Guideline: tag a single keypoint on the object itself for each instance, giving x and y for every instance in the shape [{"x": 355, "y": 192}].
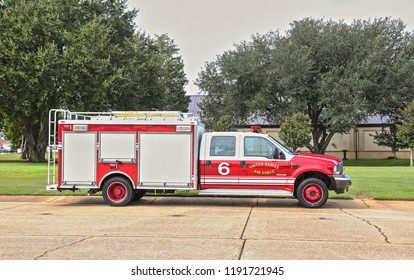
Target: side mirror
[{"x": 276, "y": 154}]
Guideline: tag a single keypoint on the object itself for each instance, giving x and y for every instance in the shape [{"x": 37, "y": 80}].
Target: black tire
[
  {"x": 117, "y": 191},
  {"x": 139, "y": 194},
  {"x": 312, "y": 193}
]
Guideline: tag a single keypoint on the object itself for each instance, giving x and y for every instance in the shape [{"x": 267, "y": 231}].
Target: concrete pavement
[{"x": 166, "y": 227}]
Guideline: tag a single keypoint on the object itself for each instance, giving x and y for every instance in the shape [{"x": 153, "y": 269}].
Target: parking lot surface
[{"x": 203, "y": 228}]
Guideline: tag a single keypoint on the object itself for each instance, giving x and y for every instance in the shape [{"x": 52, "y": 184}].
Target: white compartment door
[
  {"x": 79, "y": 158},
  {"x": 165, "y": 160},
  {"x": 117, "y": 147}
]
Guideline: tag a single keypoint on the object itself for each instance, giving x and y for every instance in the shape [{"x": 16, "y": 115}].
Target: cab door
[
  {"x": 259, "y": 169},
  {"x": 219, "y": 167}
]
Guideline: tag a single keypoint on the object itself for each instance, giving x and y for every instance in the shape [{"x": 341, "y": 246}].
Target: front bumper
[{"x": 340, "y": 183}]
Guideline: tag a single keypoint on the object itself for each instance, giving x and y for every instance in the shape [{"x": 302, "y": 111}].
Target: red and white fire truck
[{"x": 126, "y": 154}]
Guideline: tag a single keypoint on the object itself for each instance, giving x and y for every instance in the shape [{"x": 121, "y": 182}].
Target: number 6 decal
[{"x": 224, "y": 169}]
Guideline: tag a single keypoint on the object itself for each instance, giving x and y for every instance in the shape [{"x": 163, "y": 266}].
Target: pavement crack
[
  {"x": 369, "y": 223},
  {"x": 53, "y": 199},
  {"x": 363, "y": 200},
  {"x": 14, "y": 206},
  {"x": 242, "y": 249},
  {"x": 152, "y": 201},
  {"x": 247, "y": 221},
  {"x": 60, "y": 247},
  {"x": 242, "y": 234}
]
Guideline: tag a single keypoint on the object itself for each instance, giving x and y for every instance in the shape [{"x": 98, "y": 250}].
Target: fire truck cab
[{"x": 126, "y": 154}]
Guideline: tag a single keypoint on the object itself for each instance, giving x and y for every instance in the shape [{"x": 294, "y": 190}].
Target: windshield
[{"x": 280, "y": 145}]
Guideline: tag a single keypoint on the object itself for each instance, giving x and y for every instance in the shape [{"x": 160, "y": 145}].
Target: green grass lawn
[
  {"x": 376, "y": 179},
  {"x": 19, "y": 177},
  {"x": 387, "y": 179}
]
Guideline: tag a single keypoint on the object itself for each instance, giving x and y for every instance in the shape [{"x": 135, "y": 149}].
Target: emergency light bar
[{"x": 176, "y": 114}]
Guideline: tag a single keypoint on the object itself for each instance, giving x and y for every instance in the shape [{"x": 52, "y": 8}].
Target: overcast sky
[{"x": 203, "y": 29}]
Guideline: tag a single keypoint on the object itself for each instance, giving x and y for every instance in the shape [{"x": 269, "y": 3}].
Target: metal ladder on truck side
[{"x": 52, "y": 148}]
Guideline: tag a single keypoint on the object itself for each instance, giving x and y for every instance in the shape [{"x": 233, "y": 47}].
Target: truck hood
[{"x": 317, "y": 157}]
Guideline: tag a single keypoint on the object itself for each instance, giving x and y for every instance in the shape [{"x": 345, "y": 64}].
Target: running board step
[{"x": 245, "y": 192}]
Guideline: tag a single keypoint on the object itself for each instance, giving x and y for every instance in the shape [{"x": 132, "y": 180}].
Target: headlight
[{"x": 339, "y": 168}]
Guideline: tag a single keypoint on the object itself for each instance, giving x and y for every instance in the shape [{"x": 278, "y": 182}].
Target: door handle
[
  {"x": 242, "y": 164},
  {"x": 208, "y": 163}
]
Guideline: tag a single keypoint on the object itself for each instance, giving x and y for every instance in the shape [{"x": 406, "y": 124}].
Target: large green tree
[
  {"x": 234, "y": 79},
  {"x": 398, "y": 90},
  {"x": 335, "y": 73},
  {"x": 405, "y": 131},
  {"x": 388, "y": 138},
  {"x": 172, "y": 76},
  {"x": 295, "y": 131},
  {"x": 83, "y": 56}
]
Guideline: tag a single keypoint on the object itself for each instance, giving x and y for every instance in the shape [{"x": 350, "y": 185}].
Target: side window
[
  {"x": 258, "y": 147},
  {"x": 223, "y": 146}
]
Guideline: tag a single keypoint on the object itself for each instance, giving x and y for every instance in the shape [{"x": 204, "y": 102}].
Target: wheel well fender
[
  {"x": 116, "y": 174},
  {"x": 312, "y": 174}
]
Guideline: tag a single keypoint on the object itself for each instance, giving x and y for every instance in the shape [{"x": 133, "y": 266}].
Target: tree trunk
[
  {"x": 411, "y": 157},
  {"x": 23, "y": 147},
  {"x": 321, "y": 140},
  {"x": 325, "y": 143},
  {"x": 36, "y": 138},
  {"x": 37, "y": 155},
  {"x": 394, "y": 152}
]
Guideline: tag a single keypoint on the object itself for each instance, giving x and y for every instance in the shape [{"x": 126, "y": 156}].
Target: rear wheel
[
  {"x": 117, "y": 191},
  {"x": 312, "y": 193}
]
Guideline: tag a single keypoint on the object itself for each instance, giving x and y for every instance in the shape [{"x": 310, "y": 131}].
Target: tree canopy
[
  {"x": 295, "y": 131},
  {"x": 405, "y": 131},
  {"x": 335, "y": 73},
  {"x": 83, "y": 56}
]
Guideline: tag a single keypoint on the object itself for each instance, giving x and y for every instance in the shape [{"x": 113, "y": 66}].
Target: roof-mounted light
[{"x": 256, "y": 128}]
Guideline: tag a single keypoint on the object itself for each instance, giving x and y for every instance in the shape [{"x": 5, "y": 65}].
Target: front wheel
[
  {"x": 117, "y": 191},
  {"x": 312, "y": 193}
]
